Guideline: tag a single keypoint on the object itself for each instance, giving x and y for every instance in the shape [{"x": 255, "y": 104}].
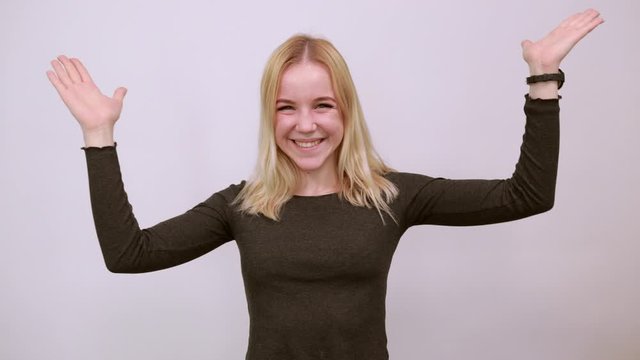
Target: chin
[
  {"x": 309, "y": 166},
  {"x": 313, "y": 164}
]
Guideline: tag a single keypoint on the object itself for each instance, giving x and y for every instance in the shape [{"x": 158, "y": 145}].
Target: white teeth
[{"x": 307, "y": 144}]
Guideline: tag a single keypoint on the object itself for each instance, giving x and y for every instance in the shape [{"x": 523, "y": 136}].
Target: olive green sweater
[{"x": 316, "y": 280}]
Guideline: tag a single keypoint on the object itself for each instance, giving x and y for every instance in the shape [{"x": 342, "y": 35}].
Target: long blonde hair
[{"x": 360, "y": 169}]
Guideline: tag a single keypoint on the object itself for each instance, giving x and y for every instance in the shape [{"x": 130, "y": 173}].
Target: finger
[
  {"x": 582, "y": 32},
  {"x": 120, "y": 93},
  {"x": 55, "y": 81},
  {"x": 61, "y": 72},
  {"x": 586, "y": 18},
  {"x": 71, "y": 69},
  {"x": 84, "y": 74},
  {"x": 525, "y": 44},
  {"x": 592, "y": 25},
  {"x": 595, "y": 22},
  {"x": 570, "y": 20}
]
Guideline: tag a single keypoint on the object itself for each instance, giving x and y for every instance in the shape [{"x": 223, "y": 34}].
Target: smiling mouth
[{"x": 307, "y": 144}]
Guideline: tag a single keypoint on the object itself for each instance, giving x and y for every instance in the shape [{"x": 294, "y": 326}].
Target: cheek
[
  {"x": 281, "y": 131},
  {"x": 281, "y": 127},
  {"x": 337, "y": 128}
]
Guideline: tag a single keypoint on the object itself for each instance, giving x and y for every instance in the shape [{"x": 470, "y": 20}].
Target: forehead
[{"x": 305, "y": 79}]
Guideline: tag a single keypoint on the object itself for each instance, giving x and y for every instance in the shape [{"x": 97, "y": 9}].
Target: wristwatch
[{"x": 559, "y": 77}]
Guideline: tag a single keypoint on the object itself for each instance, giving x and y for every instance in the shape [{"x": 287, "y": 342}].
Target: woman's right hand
[{"x": 96, "y": 113}]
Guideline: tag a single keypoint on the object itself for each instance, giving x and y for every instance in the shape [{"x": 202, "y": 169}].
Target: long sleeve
[
  {"x": 530, "y": 190},
  {"x": 127, "y": 248}
]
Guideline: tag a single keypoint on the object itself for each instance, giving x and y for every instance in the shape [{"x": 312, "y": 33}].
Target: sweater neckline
[{"x": 334, "y": 194}]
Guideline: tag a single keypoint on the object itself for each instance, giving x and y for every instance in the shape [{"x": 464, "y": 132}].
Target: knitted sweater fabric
[{"x": 316, "y": 280}]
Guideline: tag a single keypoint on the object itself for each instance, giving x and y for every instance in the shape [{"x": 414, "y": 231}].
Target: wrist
[
  {"x": 539, "y": 69},
  {"x": 98, "y": 137},
  {"x": 544, "y": 90}
]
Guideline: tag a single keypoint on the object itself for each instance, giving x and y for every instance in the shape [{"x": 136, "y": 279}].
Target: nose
[{"x": 305, "y": 122}]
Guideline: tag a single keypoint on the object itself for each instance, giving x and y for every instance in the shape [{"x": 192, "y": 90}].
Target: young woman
[{"x": 318, "y": 223}]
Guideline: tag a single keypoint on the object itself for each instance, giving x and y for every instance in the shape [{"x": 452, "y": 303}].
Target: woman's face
[{"x": 309, "y": 125}]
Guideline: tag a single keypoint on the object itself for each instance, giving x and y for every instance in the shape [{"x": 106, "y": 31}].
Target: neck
[{"x": 317, "y": 182}]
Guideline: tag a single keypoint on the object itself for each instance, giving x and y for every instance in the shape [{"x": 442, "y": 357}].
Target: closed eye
[
  {"x": 284, "y": 107},
  {"x": 325, "y": 106}
]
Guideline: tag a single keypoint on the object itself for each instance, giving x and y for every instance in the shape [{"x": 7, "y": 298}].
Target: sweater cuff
[
  {"x": 542, "y": 108},
  {"x": 528, "y": 98},
  {"x": 99, "y": 148}
]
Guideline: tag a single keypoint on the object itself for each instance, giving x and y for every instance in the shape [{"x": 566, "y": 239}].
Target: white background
[{"x": 442, "y": 86}]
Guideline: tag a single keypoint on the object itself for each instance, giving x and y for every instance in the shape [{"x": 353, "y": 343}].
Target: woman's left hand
[{"x": 545, "y": 55}]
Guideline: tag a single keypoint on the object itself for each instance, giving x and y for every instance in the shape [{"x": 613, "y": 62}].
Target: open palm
[
  {"x": 93, "y": 110},
  {"x": 548, "y": 52}
]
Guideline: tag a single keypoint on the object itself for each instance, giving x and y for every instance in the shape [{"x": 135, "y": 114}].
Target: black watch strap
[{"x": 559, "y": 77}]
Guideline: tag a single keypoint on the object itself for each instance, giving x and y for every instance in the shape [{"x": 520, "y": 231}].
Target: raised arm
[
  {"x": 127, "y": 248},
  {"x": 531, "y": 189}
]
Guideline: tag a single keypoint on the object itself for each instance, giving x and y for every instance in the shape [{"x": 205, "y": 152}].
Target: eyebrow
[{"x": 322, "y": 98}]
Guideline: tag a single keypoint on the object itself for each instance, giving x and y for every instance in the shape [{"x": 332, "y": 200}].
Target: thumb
[
  {"x": 120, "y": 93},
  {"x": 525, "y": 44}
]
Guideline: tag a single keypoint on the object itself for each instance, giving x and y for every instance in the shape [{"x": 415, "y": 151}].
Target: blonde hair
[{"x": 360, "y": 169}]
